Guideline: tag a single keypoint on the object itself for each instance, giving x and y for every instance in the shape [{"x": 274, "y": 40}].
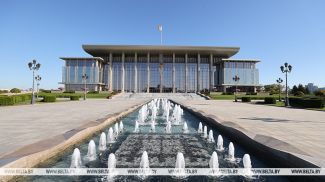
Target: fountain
[
  {"x": 144, "y": 160},
  {"x": 185, "y": 128},
  {"x": 110, "y": 136},
  {"x": 180, "y": 165},
  {"x": 144, "y": 166},
  {"x": 154, "y": 111},
  {"x": 214, "y": 163},
  {"x": 168, "y": 127},
  {"x": 205, "y": 132},
  {"x": 116, "y": 129},
  {"x": 111, "y": 164},
  {"x": 136, "y": 128},
  {"x": 91, "y": 155},
  {"x": 121, "y": 126},
  {"x": 211, "y": 138},
  {"x": 180, "y": 161},
  {"x": 247, "y": 165},
  {"x": 200, "y": 128},
  {"x": 102, "y": 142},
  {"x": 76, "y": 159},
  {"x": 143, "y": 114},
  {"x": 220, "y": 143},
  {"x": 177, "y": 115},
  {"x": 153, "y": 128},
  {"x": 231, "y": 152}
]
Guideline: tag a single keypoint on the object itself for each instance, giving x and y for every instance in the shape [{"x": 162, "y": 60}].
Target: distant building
[
  {"x": 311, "y": 87},
  {"x": 134, "y": 68}
]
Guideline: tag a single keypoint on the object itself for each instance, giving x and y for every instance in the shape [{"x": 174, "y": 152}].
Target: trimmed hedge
[
  {"x": 49, "y": 98},
  {"x": 74, "y": 97},
  {"x": 227, "y": 93},
  {"x": 270, "y": 100},
  {"x": 307, "y": 102},
  {"x": 11, "y": 100},
  {"x": 69, "y": 92},
  {"x": 246, "y": 99},
  {"x": 251, "y": 93},
  {"x": 93, "y": 92}
]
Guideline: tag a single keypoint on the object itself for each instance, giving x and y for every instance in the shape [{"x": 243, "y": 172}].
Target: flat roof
[
  {"x": 82, "y": 58},
  {"x": 241, "y": 60},
  {"x": 104, "y": 50}
]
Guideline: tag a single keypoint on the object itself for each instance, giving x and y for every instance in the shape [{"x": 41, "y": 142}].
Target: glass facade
[{"x": 141, "y": 75}]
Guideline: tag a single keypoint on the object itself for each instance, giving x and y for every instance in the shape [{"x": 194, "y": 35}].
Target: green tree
[
  {"x": 272, "y": 88},
  {"x": 301, "y": 88},
  {"x": 15, "y": 90},
  {"x": 294, "y": 90}
]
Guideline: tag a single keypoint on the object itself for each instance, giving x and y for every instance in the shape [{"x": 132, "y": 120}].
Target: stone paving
[
  {"x": 300, "y": 132},
  {"x": 27, "y": 124}
]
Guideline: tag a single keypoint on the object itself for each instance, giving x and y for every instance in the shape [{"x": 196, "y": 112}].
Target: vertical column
[
  {"x": 186, "y": 56},
  {"x": 148, "y": 72},
  {"x": 198, "y": 72},
  {"x": 110, "y": 72},
  {"x": 135, "y": 72},
  {"x": 161, "y": 69},
  {"x": 123, "y": 73},
  {"x": 211, "y": 75},
  {"x": 174, "y": 74}
]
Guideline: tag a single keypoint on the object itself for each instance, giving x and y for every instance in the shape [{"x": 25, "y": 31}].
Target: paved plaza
[{"x": 297, "y": 131}]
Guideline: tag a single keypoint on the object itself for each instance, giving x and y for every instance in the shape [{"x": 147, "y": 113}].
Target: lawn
[
  {"x": 89, "y": 95},
  {"x": 260, "y": 96}
]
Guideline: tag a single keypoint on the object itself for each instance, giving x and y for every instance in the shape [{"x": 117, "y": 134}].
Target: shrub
[
  {"x": 69, "y": 92},
  {"x": 45, "y": 91},
  {"x": 15, "y": 90},
  {"x": 49, "y": 98},
  {"x": 246, "y": 99},
  {"x": 93, "y": 92},
  {"x": 3, "y": 91},
  {"x": 270, "y": 100},
  {"x": 227, "y": 93},
  {"x": 74, "y": 97},
  {"x": 307, "y": 102},
  {"x": 6, "y": 101},
  {"x": 299, "y": 94},
  {"x": 251, "y": 93},
  {"x": 319, "y": 93},
  {"x": 11, "y": 100}
]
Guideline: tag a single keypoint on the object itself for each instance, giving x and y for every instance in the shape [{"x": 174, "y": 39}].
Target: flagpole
[
  {"x": 160, "y": 37},
  {"x": 160, "y": 29}
]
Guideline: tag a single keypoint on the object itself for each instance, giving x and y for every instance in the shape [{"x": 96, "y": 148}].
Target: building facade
[{"x": 138, "y": 68}]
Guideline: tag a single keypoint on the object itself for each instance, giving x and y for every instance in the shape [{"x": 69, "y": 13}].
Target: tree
[
  {"x": 294, "y": 90},
  {"x": 15, "y": 90},
  {"x": 301, "y": 88},
  {"x": 273, "y": 88}
]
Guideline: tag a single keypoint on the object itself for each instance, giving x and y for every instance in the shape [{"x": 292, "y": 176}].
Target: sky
[{"x": 273, "y": 31}]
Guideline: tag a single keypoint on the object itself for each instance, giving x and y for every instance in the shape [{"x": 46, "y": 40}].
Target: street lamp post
[
  {"x": 84, "y": 78},
  {"x": 38, "y": 79},
  {"x": 286, "y": 69},
  {"x": 34, "y": 66},
  {"x": 279, "y": 81},
  {"x": 236, "y": 79}
]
